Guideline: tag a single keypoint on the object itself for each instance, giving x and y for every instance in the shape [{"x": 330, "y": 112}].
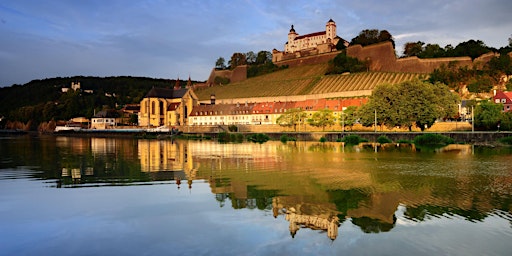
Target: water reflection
[{"x": 316, "y": 186}]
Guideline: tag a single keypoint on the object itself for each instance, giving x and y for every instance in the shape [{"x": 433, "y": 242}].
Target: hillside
[{"x": 303, "y": 80}]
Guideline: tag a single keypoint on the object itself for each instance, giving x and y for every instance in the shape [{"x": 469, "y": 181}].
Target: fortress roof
[{"x": 311, "y": 35}]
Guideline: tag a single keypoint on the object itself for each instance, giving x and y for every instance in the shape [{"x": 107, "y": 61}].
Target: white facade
[{"x": 297, "y": 43}]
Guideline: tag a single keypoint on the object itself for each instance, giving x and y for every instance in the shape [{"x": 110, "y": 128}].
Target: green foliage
[
  {"x": 352, "y": 139},
  {"x": 506, "y": 140},
  {"x": 372, "y": 36},
  {"x": 383, "y": 139},
  {"x": 291, "y": 118},
  {"x": 343, "y": 63},
  {"x": 43, "y": 100},
  {"x": 322, "y": 118},
  {"x": 348, "y": 117},
  {"x": 432, "y": 139},
  {"x": 323, "y": 139},
  {"x": 409, "y": 103},
  {"x": 488, "y": 115},
  {"x": 224, "y": 137},
  {"x": 404, "y": 141},
  {"x": 233, "y": 128},
  {"x": 258, "y": 138},
  {"x": 262, "y": 69},
  {"x": 480, "y": 84},
  {"x": 471, "y": 48},
  {"x": 221, "y": 80},
  {"x": 284, "y": 138}
]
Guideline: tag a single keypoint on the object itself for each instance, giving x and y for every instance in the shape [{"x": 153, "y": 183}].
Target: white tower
[{"x": 330, "y": 30}]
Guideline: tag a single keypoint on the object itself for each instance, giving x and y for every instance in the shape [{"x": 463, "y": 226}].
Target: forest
[{"x": 43, "y": 100}]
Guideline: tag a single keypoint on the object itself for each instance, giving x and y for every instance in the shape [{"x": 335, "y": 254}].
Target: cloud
[{"x": 159, "y": 38}]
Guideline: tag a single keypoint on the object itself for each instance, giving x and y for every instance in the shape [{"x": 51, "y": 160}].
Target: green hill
[{"x": 302, "y": 80}]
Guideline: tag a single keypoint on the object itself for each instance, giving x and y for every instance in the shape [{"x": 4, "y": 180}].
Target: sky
[{"x": 181, "y": 38}]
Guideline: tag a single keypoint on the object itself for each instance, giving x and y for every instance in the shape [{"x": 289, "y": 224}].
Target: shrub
[
  {"x": 233, "y": 128},
  {"x": 383, "y": 139},
  {"x": 431, "y": 139},
  {"x": 224, "y": 137},
  {"x": 323, "y": 139},
  {"x": 403, "y": 141},
  {"x": 352, "y": 139},
  {"x": 506, "y": 140},
  {"x": 258, "y": 137}
]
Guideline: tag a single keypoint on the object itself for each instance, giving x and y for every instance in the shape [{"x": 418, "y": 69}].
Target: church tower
[{"x": 330, "y": 30}]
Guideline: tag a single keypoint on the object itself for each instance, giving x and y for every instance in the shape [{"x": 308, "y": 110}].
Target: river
[{"x": 64, "y": 195}]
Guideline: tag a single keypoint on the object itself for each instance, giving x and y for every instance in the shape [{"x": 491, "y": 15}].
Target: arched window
[{"x": 152, "y": 107}]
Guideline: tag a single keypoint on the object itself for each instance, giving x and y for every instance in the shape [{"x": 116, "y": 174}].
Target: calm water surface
[{"x": 104, "y": 196}]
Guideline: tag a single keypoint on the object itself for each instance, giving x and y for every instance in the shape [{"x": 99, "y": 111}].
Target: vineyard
[{"x": 302, "y": 80}]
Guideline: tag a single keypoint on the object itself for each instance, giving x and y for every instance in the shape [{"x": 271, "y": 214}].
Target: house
[
  {"x": 105, "y": 119},
  {"x": 169, "y": 107},
  {"x": 263, "y": 113},
  {"x": 504, "y": 98}
]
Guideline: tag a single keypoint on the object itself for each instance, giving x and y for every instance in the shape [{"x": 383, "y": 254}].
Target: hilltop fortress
[{"x": 320, "y": 47}]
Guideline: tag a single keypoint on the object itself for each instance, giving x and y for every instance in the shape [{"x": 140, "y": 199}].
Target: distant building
[
  {"x": 504, "y": 98},
  {"x": 105, "y": 119},
  {"x": 309, "y": 44}
]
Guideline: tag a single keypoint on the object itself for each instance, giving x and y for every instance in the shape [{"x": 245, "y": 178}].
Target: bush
[
  {"x": 506, "y": 140},
  {"x": 233, "y": 128},
  {"x": 383, "y": 139},
  {"x": 224, "y": 137},
  {"x": 323, "y": 139},
  {"x": 352, "y": 139},
  {"x": 258, "y": 137},
  {"x": 284, "y": 138},
  {"x": 431, "y": 139},
  {"x": 404, "y": 141}
]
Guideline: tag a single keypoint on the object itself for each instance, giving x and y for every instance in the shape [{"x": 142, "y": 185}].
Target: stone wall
[
  {"x": 382, "y": 57},
  {"x": 238, "y": 74}
]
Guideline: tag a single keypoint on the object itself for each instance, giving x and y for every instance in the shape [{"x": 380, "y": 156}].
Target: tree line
[{"x": 43, "y": 100}]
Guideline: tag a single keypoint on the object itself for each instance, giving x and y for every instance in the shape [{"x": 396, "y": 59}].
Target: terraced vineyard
[
  {"x": 360, "y": 81},
  {"x": 302, "y": 80}
]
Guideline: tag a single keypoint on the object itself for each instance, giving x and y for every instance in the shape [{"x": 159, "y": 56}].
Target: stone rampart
[{"x": 238, "y": 74}]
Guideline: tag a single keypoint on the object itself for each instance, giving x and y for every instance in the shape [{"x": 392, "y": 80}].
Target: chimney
[{"x": 212, "y": 99}]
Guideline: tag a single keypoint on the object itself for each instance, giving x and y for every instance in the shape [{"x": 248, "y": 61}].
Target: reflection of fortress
[{"x": 325, "y": 220}]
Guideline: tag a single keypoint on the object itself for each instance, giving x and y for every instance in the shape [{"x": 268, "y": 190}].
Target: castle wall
[
  {"x": 238, "y": 74},
  {"x": 292, "y": 61},
  {"x": 382, "y": 57}
]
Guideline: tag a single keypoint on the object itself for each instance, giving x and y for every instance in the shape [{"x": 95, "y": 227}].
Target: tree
[
  {"x": 488, "y": 115},
  {"x": 372, "y": 36},
  {"x": 471, "y": 48},
  {"x": 250, "y": 57},
  {"x": 343, "y": 63},
  {"x": 322, "y": 118},
  {"x": 263, "y": 57},
  {"x": 291, "y": 118},
  {"x": 407, "y": 104},
  {"x": 220, "y": 63},
  {"x": 413, "y": 49},
  {"x": 237, "y": 59},
  {"x": 348, "y": 117}
]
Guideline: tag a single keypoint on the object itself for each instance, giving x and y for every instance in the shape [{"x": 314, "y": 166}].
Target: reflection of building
[
  {"x": 161, "y": 155},
  {"x": 307, "y": 217}
]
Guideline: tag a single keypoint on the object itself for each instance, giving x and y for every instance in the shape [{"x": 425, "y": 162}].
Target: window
[{"x": 503, "y": 100}]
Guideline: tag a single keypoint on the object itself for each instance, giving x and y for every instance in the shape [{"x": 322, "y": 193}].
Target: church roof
[{"x": 157, "y": 92}]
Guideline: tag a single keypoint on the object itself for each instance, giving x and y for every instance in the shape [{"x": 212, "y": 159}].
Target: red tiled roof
[{"x": 311, "y": 35}]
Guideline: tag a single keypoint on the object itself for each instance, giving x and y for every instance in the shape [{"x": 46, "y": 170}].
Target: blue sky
[{"x": 171, "y": 39}]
